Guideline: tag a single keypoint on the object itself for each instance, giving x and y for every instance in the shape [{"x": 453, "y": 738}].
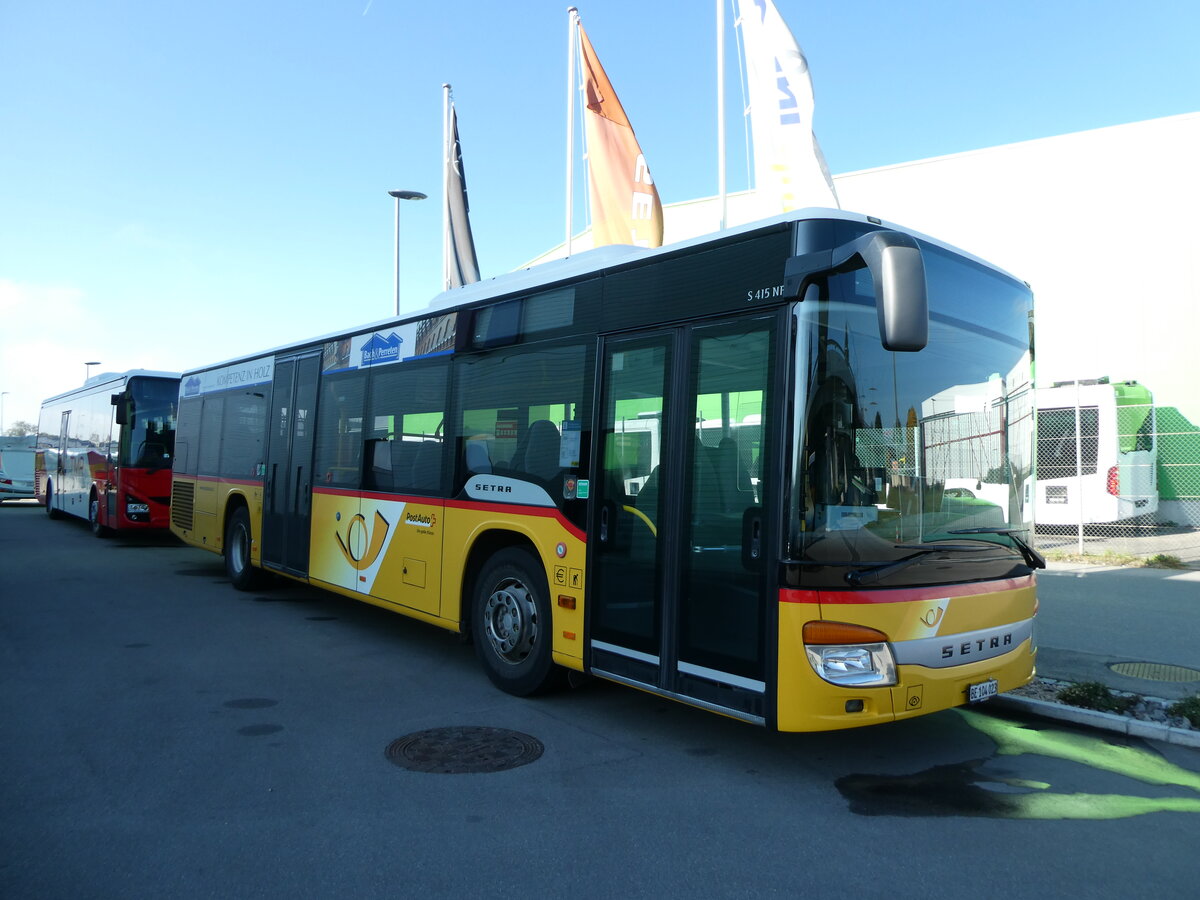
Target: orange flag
[{"x": 625, "y": 204}]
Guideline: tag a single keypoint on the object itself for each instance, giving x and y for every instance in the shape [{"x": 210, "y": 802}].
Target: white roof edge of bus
[
  {"x": 593, "y": 260},
  {"x": 106, "y": 377}
]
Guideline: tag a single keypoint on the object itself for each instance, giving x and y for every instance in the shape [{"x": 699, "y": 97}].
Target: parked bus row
[{"x": 727, "y": 472}]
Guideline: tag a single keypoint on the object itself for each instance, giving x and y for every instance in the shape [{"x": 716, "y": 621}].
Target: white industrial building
[{"x": 1103, "y": 224}]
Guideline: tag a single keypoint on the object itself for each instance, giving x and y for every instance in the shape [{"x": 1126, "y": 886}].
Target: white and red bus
[{"x": 104, "y": 451}]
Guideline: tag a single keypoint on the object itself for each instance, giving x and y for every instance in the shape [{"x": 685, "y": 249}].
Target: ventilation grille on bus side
[{"x": 183, "y": 501}]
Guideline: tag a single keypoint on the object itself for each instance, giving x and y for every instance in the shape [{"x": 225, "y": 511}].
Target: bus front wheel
[
  {"x": 50, "y": 510},
  {"x": 98, "y": 530},
  {"x": 511, "y": 624},
  {"x": 238, "y": 568}
]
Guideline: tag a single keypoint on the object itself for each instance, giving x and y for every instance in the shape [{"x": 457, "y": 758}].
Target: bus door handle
[{"x": 604, "y": 515}]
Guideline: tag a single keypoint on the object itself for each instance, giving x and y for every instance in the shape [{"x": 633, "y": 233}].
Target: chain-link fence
[{"x": 1116, "y": 474}]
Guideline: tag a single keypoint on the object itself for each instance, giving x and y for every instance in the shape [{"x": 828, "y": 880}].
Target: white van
[{"x": 16, "y": 467}]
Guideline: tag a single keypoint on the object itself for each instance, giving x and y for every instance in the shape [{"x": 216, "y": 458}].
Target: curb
[{"x": 1095, "y": 719}]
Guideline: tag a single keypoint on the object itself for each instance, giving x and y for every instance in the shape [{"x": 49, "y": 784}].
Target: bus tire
[
  {"x": 98, "y": 530},
  {"x": 238, "y": 541},
  {"x": 50, "y": 510},
  {"x": 511, "y": 623}
]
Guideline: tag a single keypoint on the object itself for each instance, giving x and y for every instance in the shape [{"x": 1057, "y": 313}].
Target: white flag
[{"x": 789, "y": 168}]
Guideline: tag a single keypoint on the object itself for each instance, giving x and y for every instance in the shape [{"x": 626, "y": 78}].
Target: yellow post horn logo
[
  {"x": 374, "y": 544},
  {"x": 932, "y": 617}
]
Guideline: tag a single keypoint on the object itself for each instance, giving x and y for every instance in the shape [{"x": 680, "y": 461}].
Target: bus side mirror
[
  {"x": 897, "y": 272},
  {"x": 118, "y": 400}
]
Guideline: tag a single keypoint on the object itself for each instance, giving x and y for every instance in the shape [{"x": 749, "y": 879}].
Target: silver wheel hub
[
  {"x": 239, "y": 548},
  {"x": 510, "y": 621}
]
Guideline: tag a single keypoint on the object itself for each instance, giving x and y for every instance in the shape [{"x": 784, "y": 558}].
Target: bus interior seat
[
  {"x": 379, "y": 469},
  {"x": 427, "y": 465},
  {"x": 539, "y": 453},
  {"x": 404, "y": 454},
  {"x": 476, "y": 456}
]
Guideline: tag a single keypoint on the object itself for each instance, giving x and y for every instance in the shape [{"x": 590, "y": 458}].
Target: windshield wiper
[
  {"x": 1033, "y": 559},
  {"x": 872, "y": 574}
]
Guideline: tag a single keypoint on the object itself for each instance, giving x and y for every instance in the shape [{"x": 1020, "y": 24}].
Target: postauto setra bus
[
  {"x": 700, "y": 470},
  {"x": 104, "y": 451}
]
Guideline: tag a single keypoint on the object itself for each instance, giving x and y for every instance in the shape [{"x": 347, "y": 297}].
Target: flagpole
[
  {"x": 445, "y": 187},
  {"x": 572, "y": 18},
  {"x": 721, "y": 111}
]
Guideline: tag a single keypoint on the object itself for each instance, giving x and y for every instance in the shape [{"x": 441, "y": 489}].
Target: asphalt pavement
[
  {"x": 1130, "y": 629},
  {"x": 164, "y": 735}
]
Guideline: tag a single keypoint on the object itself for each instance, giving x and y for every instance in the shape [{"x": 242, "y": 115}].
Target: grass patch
[
  {"x": 1094, "y": 695},
  {"x": 1189, "y": 708},
  {"x": 1109, "y": 558}
]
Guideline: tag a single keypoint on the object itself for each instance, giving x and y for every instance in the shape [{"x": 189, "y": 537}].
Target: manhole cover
[
  {"x": 1156, "y": 671},
  {"x": 463, "y": 749}
]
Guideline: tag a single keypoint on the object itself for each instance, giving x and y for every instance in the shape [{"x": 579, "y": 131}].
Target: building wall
[{"x": 1104, "y": 226}]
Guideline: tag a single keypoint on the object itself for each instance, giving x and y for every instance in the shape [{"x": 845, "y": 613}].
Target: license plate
[{"x": 982, "y": 691}]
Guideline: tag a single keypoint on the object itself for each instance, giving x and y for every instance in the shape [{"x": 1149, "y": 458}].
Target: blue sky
[{"x": 184, "y": 183}]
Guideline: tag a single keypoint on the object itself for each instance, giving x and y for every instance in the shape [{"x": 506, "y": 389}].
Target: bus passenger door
[
  {"x": 287, "y": 491},
  {"x": 680, "y": 600},
  {"x": 61, "y": 488},
  {"x": 630, "y": 536}
]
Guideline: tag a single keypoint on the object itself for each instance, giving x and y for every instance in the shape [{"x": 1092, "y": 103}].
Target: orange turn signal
[
  {"x": 566, "y": 602},
  {"x": 841, "y": 633}
]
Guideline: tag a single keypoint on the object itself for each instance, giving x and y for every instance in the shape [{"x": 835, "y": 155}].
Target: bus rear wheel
[
  {"x": 98, "y": 530},
  {"x": 238, "y": 541},
  {"x": 511, "y": 623},
  {"x": 50, "y": 510}
]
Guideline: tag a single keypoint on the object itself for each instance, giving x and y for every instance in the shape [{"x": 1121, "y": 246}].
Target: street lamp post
[
  {"x": 400, "y": 195},
  {"x": 88, "y": 369}
]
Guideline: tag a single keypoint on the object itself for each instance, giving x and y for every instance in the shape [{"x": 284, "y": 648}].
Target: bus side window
[
  {"x": 477, "y": 457},
  {"x": 407, "y": 404}
]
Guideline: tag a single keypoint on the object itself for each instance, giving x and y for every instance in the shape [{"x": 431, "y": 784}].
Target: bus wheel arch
[
  {"x": 510, "y": 616},
  {"x": 99, "y": 529},
  {"x": 238, "y": 541},
  {"x": 50, "y": 510}
]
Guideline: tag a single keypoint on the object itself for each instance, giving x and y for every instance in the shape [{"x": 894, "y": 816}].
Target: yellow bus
[{"x": 702, "y": 470}]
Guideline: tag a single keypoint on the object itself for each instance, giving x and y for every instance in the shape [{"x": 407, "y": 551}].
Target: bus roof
[
  {"x": 109, "y": 379},
  {"x": 595, "y": 261}
]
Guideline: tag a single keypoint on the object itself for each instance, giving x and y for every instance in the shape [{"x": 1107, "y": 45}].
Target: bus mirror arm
[
  {"x": 897, "y": 272},
  {"x": 121, "y": 412}
]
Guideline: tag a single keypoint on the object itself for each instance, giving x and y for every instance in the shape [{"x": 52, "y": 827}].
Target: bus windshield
[
  {"x": 914, "y": 468},
  {"x": 148, "y": 437}
]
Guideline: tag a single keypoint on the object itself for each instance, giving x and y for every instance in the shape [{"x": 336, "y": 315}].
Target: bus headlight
[
  {"x": 133, "y": 509},
  {"x": 858, "y": 665},
  {"x": 850, "y": 655}
]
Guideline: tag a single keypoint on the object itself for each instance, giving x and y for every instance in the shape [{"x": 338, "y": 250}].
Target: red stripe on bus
[
  {"x": 546, "y": 512},
  {"x": 377, "y": 495},
  {"x": 904, "y": 595}
]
